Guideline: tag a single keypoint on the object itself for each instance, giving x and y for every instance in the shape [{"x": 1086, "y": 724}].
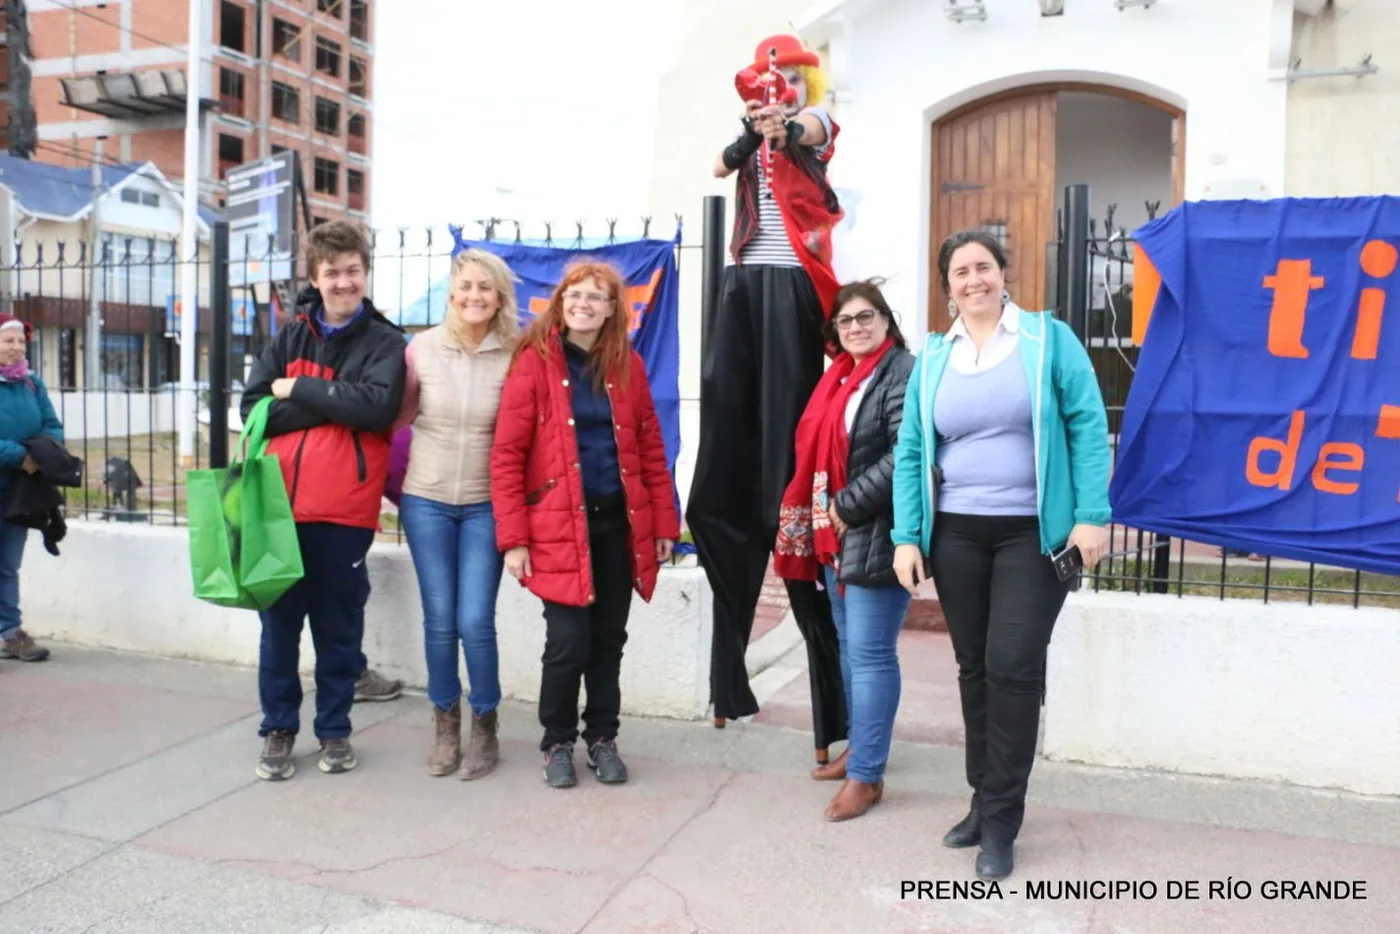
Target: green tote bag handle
[{"x": 252, "y": 439}]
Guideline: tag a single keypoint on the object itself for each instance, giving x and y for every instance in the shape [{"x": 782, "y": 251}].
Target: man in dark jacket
[{"x": 337, "y": 374}]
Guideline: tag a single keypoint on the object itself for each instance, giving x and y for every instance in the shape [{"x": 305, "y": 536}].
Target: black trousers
[
  {"x": 332, "y": 594},
  {"x": 1001, "y": 598},
  {"x": 584, "y": 643},
  {"x": 762, "y": 359}
]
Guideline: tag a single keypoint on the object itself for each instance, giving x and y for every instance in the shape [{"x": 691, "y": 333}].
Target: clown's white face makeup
[{"x": 794, "y": 80}]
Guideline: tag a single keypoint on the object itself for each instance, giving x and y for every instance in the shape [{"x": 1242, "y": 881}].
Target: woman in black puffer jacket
[{"x": 836, "y": 521}]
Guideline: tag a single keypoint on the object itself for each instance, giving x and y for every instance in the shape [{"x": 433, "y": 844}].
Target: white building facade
[{"x": 949, "y": 124}]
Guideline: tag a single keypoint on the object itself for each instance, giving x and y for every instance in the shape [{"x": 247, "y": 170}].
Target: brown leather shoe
[
  {"x": 483, "y": 750},
  {"x": 447, "y": 744},
  {"x": 854, "y": 799},
  {"x": 833, "y": 771}
]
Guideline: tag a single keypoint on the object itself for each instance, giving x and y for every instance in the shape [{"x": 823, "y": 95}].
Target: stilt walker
[{"x": 764, "y": 357}]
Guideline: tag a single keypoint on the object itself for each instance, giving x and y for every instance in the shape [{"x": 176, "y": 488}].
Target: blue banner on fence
[
  {"x": 1265, "y": 411},
  {"x": 653, "y": 303}
]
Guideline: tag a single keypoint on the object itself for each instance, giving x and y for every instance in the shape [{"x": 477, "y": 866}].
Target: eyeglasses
[
  {"x": 863, "y": 318},
  {"x": 592, "y": 298}
]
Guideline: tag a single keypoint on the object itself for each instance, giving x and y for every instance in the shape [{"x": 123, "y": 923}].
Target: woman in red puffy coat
[{"x": 584, "y": 504}]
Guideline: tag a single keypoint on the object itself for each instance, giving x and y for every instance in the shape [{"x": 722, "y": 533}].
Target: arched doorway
[{"x": 995, "y": 164}]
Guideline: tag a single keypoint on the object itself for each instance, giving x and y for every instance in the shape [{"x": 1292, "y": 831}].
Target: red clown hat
[{"x": 791, "y": 54}]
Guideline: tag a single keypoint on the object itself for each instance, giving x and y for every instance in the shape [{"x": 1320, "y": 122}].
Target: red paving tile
[
  {"x": 929, "y": 708},
  {"x": 772, "y": 606}
]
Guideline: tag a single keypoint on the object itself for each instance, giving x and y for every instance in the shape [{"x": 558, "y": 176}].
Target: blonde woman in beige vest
[{"x": 455, "y": 374}]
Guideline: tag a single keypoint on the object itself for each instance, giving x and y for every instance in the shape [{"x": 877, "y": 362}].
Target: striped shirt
[{"x": 770, "y": 245}]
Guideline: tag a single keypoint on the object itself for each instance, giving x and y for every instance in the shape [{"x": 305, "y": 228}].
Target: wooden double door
[{"x": 994, "y": 168}]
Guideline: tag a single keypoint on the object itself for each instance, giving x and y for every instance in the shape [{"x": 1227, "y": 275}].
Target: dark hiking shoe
[
  {"x": 606, "y": 763},
  {"x": 336, "y": 756},
  {"x": 24, "y": 648},
  {"x": 372, "y": 686},
  {"x": 277, "y": 763},
  {"x": 559, "y": 766}
]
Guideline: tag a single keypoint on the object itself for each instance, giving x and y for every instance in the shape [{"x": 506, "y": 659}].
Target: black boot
[
  {"x": 995, "y": 860},
  {"x": 966, "y": 832}
]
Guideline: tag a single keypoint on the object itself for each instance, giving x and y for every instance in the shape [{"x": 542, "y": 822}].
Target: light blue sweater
[{"x": 1073, "y": 457}]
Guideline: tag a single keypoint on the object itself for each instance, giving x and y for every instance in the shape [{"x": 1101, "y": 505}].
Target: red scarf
[{"x": 806, "y": 539}]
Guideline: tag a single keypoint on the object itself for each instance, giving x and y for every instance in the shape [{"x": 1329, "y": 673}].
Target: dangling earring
[
  {"x": 952, "y": 309},
  {"x": 1005, "y": 297}
]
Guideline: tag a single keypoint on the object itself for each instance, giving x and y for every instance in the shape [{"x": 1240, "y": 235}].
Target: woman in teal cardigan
[
  {"x": 25, "y": 413},
  {"x": 1003, "y": 458}
]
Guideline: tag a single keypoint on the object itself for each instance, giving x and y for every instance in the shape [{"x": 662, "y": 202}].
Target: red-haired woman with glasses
[{"x": 584, "y": 504}]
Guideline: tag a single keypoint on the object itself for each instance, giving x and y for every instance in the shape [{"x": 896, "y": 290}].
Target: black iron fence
[
  {"x": 107, "y": 338},
  {"x": 1091, "y": 288},
  {"x": 107, "y": 341}
]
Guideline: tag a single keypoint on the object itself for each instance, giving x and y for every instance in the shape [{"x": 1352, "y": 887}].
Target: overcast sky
[{"x": 553, "y": 100}]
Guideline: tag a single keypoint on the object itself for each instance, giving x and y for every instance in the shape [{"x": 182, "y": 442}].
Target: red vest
[{"x": 809, "y": 207}]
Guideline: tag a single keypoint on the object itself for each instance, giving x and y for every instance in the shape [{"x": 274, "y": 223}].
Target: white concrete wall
[
  {"x": 1343, "y": 138},
  {"x": 129, "y": 588},
  {"x": 114, "y": 415},
  {"x": 1280, "y": 692}
]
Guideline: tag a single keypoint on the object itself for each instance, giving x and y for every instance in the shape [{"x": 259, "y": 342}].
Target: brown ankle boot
[
  {"x": 854, "y": 799},
  {"x": 483, "y": 751},
  {"x": 833, "y": 771},
  {"x": 447, "y": 746}
]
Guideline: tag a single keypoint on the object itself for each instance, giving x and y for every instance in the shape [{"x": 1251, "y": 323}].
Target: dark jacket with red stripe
[
  {"x": 537, "y": 484},
  {"x": 808, "y": 204},
  {"x": 332, "y": 436}
]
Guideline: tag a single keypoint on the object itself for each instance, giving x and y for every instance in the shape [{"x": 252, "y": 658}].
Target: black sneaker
[
  {"x": 336, "y": 756},
  {"x": 606, "y": 763},
  {"x": 277, "y": 763},
  {"x": 559, "y": 766}
]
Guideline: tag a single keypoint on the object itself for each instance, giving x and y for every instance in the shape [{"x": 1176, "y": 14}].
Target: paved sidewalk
[{"x": 128, "y": 804}]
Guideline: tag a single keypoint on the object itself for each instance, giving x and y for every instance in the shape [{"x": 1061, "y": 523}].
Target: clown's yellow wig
[{"x": 815, "y": 79}]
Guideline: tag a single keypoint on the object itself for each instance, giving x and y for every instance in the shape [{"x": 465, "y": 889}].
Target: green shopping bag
[{"x": 243, "y": 539}]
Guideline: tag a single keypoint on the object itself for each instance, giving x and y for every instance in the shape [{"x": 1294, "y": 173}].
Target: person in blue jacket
[
  {"x": 25, "y": 412},
  {"x": 1002, "y": 459}
]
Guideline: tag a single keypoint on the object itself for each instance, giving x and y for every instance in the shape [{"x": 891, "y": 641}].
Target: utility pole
[
  {"x": 92, "y": 343},
  {"x": 189, "y": 248}
]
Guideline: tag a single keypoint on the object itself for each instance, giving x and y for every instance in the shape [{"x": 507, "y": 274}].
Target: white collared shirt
[{"x": 965, "y": 358}]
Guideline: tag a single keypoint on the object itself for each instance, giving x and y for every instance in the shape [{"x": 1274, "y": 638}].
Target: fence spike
[
  {"x": 1152, "y": 208},
  {"x": 646, "y": 227},
  {"x": 612, "y": 230},
  {"x": 579, "y": 240},
  {"x": 517, "y": 231},
  {"x": 428, "y": 230},
  {"x": 373, "y": 239},
  {"x": 549, "y": 233}
]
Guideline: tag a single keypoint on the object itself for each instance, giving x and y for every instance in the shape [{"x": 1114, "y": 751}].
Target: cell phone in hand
[{"x": 1068, "y": 563}]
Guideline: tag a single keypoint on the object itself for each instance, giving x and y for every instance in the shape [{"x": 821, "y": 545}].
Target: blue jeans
[
  {"x": 12, "y": 539},
  {"x": 868, "y": 622},
  {"x": 459, "y": 575}
]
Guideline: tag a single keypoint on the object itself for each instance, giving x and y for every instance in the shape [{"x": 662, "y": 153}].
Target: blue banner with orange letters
[
  {"x": 653, "y": 304},
  {"x": 1265, "y": 411}
]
